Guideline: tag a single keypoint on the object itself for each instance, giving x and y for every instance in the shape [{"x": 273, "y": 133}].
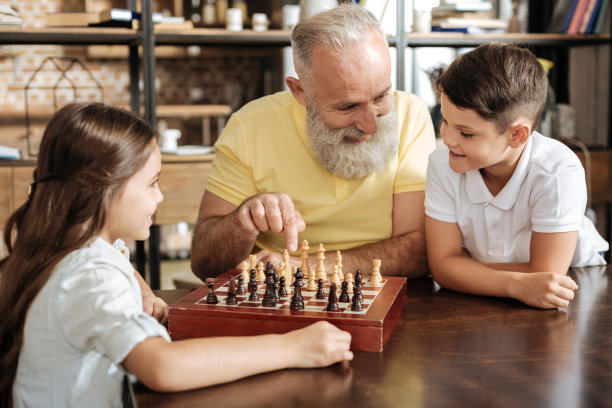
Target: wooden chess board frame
[{"x": 191, "y": 317}]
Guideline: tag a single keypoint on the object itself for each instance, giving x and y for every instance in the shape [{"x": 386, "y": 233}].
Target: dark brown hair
[
  {"x": 88, "y": 151},
  {"x": 499, "y": 81}
]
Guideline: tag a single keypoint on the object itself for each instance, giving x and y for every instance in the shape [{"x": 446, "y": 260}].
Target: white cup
[
  {"x": 291, "y": 16},
  {"x": 421, "y": 21},
  {"x": 233, "y": 19},
  {"x": 260, "y": 22}
]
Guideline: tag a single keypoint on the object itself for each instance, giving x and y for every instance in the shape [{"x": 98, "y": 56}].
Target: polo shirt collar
[{"x": 478, "y": 192}]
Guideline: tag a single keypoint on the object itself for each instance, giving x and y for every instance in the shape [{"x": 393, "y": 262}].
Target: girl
[{"x": 72, "y": 308}]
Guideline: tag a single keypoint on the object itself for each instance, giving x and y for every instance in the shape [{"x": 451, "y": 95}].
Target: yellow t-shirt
[{"x": 264, "y": 149}]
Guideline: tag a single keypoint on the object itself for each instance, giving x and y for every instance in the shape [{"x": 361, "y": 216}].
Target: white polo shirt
[{"x": 547, "y": 193}]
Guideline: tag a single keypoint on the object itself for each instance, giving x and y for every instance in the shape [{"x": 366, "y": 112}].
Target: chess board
[{"x": 370, "y": 328}]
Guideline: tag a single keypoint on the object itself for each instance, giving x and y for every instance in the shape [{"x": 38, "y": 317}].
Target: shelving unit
[{"x": 148, "y": 39}]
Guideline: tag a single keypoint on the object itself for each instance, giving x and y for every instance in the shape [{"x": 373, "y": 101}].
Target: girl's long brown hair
[{"x": 88, "y": 151}]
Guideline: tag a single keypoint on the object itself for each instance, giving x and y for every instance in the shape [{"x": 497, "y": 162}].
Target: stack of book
[
  {"x": 579, "y": 16},
  {"x": 467, "y": 16}
]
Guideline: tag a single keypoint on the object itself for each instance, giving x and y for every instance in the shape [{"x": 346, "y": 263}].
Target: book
[
  {"x": 115, "y": 14},
  {"x": 570, "y": 14},
  {"x": 71, "y": 19},
  {"x": 577, "y": 17},
  {"x": 489, "y": 23},
  {"x": 586, "y": 18},
  {"x": 560, "y": 12},
  {"x": 601, "y": 17},
  {"x": 10, "y": 153},
  {"x": 589, "y": 28},
  {"x": 466, "y": 6}
]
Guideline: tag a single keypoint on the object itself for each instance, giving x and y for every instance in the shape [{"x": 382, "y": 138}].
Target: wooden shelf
[
  {"x": 68, "y": 35},
  {"x": 473, "y": 40}
]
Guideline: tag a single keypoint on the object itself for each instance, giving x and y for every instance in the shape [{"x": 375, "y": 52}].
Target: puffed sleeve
[{"x": 100, "y": 308}]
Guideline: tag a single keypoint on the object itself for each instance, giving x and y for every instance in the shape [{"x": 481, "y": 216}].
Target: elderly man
[{"x": 340, "y": 159}]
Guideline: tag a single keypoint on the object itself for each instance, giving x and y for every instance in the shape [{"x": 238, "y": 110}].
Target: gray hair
[{"x": 335, "y": 29}]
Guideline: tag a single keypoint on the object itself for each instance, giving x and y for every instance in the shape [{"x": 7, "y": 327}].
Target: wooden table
[{"x": 451, "y": 349}]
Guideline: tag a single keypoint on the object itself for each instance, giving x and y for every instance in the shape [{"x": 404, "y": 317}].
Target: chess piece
[
  {"x": 269, "y": 298},
  {"x": 359, "y": 284},
  {"x": 211, "y": 298},
  {"x": 356, "y": 306},
  {"x": 260, "y": 272},
  {"x": 231, "y": 293},
  {"x": 349, "y": 280},
  {"x": 344, "y": 296},
  {"x": 320, "y": 293},
  {"x": 305, "y": 267},
  {"x": 312, "y": 284},
  {"x": 297, "y": 302},
  {"x": 240, "y": 288},
  {"x": 376, "y": 279},
  {"x": 276, "y": 285},
  {"x": 244, "y": 268},
  {"x": 335, "y": 278},
  {"x": 332, "y": 305},
  {"x": 339, "y": 263},
  {"x": 282, "y": 290},
  {"x": 320, "y": 271},
  {"x": 253, "y": 297},
  {"x": 252, "y": 262}
]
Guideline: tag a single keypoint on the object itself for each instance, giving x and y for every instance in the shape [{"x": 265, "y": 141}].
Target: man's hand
[{"x": 272, "y": 212}]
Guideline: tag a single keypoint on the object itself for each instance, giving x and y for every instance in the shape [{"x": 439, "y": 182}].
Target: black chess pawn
[
  {"x": 252, "y": 280},
  {"x": 320, "y": 292},
  {"x": 332, "y": 305},
  {"x": 231, "y": 293},
  {"x": 282, "y": 290},
  {"x": 276, "y": 286},
  {"x": 240, "y": 287},
  {"x": 356, "y": 306},
  {"x": 359, "y": 284},
  {"x": 297, "y": 302},
  {"x": 211, "y": 298},
  {"x": 253, "y": 297},
  {"x": 344, "y": 296},
  {"x": 269, "y": 298}
]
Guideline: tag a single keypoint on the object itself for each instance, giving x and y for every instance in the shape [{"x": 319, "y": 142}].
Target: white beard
[{"x": 334, "y": 150}]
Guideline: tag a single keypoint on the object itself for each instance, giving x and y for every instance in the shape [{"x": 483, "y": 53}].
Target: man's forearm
[
  {"x": 219, "y": 244},
  {"x": 404, "y": 255}
]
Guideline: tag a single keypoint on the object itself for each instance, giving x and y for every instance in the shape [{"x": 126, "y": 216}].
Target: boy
[{"x": 504, "y": 204}]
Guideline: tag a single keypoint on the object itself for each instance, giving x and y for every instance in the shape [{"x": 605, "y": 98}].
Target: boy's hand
[{"x": 545, "y": 290}]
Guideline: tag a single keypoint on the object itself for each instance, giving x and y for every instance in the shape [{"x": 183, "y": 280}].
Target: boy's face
[{"x": 473, "y": 142}]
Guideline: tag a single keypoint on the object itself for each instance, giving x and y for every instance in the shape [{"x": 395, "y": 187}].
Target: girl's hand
[
  {"x": 156, "y": 307},
  {"x": 545, "y": 290},
  {"x": 319, "y": 345}
]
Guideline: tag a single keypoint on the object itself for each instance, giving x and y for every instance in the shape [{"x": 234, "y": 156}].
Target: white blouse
[{"x": 84, "y": 322}]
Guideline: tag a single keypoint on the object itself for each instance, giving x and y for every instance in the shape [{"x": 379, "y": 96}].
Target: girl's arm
[
  {"x": 194, "y": 363},
  {"x": 454, "y": 271},
  {"x": 151, "y": 304}
]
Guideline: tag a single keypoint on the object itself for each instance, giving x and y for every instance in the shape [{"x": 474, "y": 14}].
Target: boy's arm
[
  {"x": 551, "y": 252},
  {"x": 455, "y": 271}
]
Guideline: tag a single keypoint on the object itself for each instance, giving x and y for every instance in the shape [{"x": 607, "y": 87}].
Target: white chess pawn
[
  {"x": 244, "y": 267},
  {"x": 260, "y": 271},
  {"x": 335, "y": 278},
  {"x": 376, "y": 278},
  {"x": 349, "y": 280}
]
